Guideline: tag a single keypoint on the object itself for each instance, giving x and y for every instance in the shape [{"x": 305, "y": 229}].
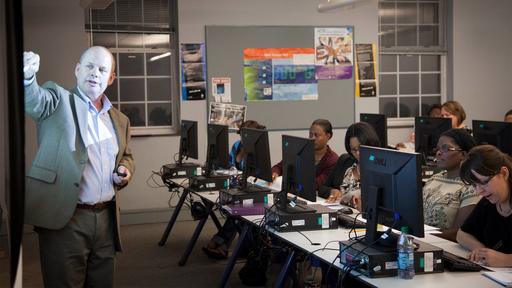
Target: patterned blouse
[
  {"x": 443, "y": 197},
  {"x": 350, "y": 186}
]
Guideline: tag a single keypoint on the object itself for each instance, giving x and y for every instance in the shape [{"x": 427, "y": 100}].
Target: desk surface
[{"x": 446, "y": 279}]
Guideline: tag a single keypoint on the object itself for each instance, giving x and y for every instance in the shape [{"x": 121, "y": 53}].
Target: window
[
  {"x": 140, "y": 36},
  {"x": 412, "y": 56}
]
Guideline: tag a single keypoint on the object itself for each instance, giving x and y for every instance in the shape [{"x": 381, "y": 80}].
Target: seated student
[
  {"x": 508, "y": 116},
  {"x": 487, "y": 232},
  {"x": 455, "y": 111},
  {"x": 348, "y": 192},
  {"x": 447, "y": 201},
  {"x": 435, "y": 111},
  {"x": 218, "y": 246},
  {"x": 325, "y": 158}
]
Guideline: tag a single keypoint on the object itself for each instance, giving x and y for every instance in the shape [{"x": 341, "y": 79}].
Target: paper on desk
[
  {"x": 501, "y": 277},
  {"x": 276, "y": 185}
]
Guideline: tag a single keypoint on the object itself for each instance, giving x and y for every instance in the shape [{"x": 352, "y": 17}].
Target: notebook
[{"x": 503, "y": 278}]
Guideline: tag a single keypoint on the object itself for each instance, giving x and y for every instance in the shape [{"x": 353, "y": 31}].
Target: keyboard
[
  {"x": 347, "y": 221},
  {"x": 455, "y": 263}
]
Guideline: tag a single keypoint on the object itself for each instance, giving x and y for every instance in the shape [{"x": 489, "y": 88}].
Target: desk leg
[
  {"x": 173, "y": 217},
  {"x": 215, "y": 220},
  {"x": 234, "y": 256},
  {"x": 284, "y": 270},
  {"x": 193, "y": 240}
]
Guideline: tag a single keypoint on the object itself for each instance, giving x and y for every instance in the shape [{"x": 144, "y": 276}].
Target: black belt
[{"x": 97, "y": 206}]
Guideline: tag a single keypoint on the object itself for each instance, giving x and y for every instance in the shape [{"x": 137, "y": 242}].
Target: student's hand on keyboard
[
  {"x": 335, "y": 196},
  {"x": 490, "y": 257}
]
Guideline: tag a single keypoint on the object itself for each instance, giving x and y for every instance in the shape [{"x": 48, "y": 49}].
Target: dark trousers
[{"x": 82, "y": 254}]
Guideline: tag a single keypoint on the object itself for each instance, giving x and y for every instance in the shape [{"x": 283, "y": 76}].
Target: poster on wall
[
  {"x": 334, "y": 52},
  {"x": 366, "y": 80},
  {"x": 231, "y": 115},
  {"x": 221, "y": 89},
  {"x": 193, "y": 72},
  {"x": 279, "y": 74}
]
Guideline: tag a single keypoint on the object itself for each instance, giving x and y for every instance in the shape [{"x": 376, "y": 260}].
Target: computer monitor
[
  {"x": 427, "y": 131},
  {"x": 494, "y": 133},
  {"x": 257, "y": 157},
  {"x": 379, "y": 124},
  {"x": 391, "y": 191},
  {"x": 217, "y": 153},
  {"x": 188, "y": 140},
  {"x": 299, "y": 172}
]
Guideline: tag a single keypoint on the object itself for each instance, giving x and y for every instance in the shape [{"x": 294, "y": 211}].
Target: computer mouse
[{"x": 346, "y": 210}]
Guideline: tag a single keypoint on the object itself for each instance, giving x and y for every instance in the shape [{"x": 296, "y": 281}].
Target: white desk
[{"x": 437, "y": 280}]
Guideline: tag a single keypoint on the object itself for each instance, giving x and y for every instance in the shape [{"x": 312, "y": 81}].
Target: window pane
[
  {"x": 430, "y": 84},
  {"x": 429, "y": 13},
  {"x": 156, "y": 40},
  {"x": 160, "y": 114},
  {"x": 387, "y": 63},
  {"x": 126, "y": 40},
  {"x": 387, "y": 85},
  {"x": 136, "y": 114},
  {"x": 427, "y": 102},
  {"x": 104, "y": 39},
  {"x": 111, "y": 91},
  {"x": 409, "y": 106},
  {"x": 103, "y": 16},
  {"x": 429, "y": 36},
  {"x": 387, "y": 36},
  {"x": 406, "y": 36},
  {"x": 159, "y": 66},
  {"x": 129, "y": 11},
  {"x": 159, "y": 89},
  {"x": 409, "y": 63},
  {"x": 430, "y": 63},
  {"x": 409, "y": 84},
  {"x": 131, "y": 89},
  {"x": 387, "y": 106},
  {"x": 131, "y": 64},
  {"x": 387, "y": 13},
  {"x": 406, "y": 13}
]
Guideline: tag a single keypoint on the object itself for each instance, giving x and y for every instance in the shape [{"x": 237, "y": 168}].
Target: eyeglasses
[
  {"x": 445, "y": 148},
  {"x": 483, "y": 183}
]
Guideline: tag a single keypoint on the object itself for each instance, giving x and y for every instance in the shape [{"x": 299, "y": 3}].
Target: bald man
[{"x": 82, "y": 162}]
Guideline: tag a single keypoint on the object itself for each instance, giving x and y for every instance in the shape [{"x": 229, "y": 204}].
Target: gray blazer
[{"x": 52, "y": 183}]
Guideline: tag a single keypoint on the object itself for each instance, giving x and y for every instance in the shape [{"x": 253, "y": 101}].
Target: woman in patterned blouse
[
  {"x": 349, "y": 192},
  {"x": 447, "y": 201}
]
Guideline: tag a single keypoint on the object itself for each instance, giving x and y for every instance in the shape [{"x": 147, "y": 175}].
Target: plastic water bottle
[
  {"x": 405, "y": 249},
  {"x": 233, "y": 177}
]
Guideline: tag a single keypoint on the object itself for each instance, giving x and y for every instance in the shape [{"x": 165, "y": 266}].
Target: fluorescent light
[
  {"x": 334, "y": 4},
  {"x": 154, "y": 58}
]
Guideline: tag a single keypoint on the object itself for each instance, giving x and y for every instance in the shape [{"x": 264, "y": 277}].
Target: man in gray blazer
[{"x": 83, "y": 160}]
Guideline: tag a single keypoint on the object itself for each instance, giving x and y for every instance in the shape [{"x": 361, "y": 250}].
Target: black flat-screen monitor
[
  {"x": 494, "y": 133},
  {"x": 391, "y": 191},
  {"x": 217, "y": 153},
  {"x": 379, "y": 124},
  {"x": 427, "y": 131},
  {"x": 299, "y": 172},
  {"x": 257, "y": 157},
  {"x": 188, "y": 140}
]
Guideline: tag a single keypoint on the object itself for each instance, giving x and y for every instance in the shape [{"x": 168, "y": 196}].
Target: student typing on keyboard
[{"x": 487, "y": 232}]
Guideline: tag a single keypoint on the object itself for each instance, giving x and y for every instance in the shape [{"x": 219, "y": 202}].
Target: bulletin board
[{"x": 224, "y": 58}]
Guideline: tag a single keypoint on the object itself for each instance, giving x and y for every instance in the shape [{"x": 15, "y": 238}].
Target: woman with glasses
[
  {"x": 447, "y": 201},
  {"x": 487, "y": 232},
  {"x": 344, "y": 185}
]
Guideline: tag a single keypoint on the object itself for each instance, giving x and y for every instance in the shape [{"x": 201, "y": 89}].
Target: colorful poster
[
  {"x": 227, "y": 114},
  {"x": 193, "y": 72},
  {"x": 279, "y": 74},
  {"x": 366, "y": 80},
  {"x": 334, "y": 52},
  {"x": 221, "y": 89}
]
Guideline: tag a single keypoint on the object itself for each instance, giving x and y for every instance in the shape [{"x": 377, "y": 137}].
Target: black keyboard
[
  {"x": 455, "y": 263},
  {"x": 347, "y": 221}
]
